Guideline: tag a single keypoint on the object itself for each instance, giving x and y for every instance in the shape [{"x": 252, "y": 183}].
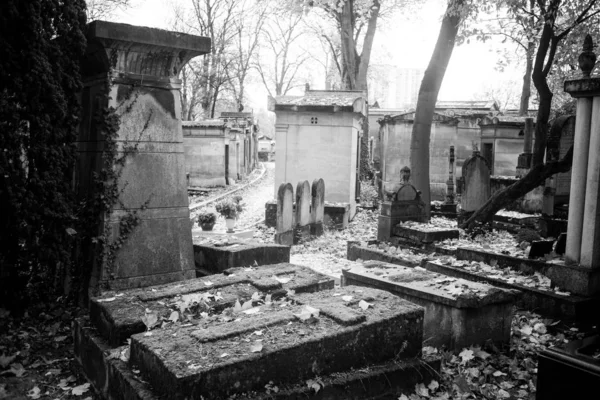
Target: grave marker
[
  {"x": 476, "y": 184},
  {"x": 303, "y": 205},
  {"x": 285, "y": 217},
  {"x": 317, "y": 211}
]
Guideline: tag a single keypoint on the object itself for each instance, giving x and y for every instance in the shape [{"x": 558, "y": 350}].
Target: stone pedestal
[{"x": 134, "y": 70}]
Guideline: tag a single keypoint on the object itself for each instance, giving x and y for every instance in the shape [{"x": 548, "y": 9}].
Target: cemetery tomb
[
  {"x": 205, "y": 143},
  {"x": 236, "y": 332},
  {"x": 141, "y": 65},
  {"x": 308, "y": 128},
  {"x": 215, "y": 359},
  {"x": 215, "y": 257},
  {"x": 458, "y": 313}
]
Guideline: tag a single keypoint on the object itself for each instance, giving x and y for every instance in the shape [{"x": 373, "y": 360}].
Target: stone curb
[{"x": 219, "y": 197}]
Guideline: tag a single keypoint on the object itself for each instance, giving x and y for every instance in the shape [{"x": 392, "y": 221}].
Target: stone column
[
  {"x": 578, "y": 179},
  {"x": 138, "y": 67}
]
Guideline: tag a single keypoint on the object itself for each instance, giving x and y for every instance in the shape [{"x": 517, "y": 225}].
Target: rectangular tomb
[
  {"x": 458, "y": 313},
  {"x": 117, "y": 316},
  {"x": 424, "y": 235},
  {"x": 296, "y": 338},
  {"x": 214, "y": 258}
]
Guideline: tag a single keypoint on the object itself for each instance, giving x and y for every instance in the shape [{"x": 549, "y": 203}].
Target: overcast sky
[{"x": 408, "y": 40}]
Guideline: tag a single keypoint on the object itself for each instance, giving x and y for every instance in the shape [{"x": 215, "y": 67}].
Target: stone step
[
  {"x": 217, "y": 257},
  {"x": 117, "y": 316},
  {"x": 113, "y": 378},
  {"x": 458, "y": 313},
  {"x": 423, "y": 234},
  {"x": 219, "y": 357},
  {"x": 545, "y": 302}
]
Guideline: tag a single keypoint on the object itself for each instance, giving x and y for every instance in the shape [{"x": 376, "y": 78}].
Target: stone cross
[
  {"x": 317, "y": 211},
  {"x": 476, "y": 176},
  {"x": 285, "y": 215},
  {"x": 134, "y": 70},
  {"x": 303, "y": 205}
]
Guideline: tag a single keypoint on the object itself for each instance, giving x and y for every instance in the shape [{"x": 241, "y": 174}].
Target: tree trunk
[
  {"x": 428, "y": 93},
  {"x": 526, "y": 90},
  {"x": 349, "y": 54},
  {"x": 536, "y": 176}
]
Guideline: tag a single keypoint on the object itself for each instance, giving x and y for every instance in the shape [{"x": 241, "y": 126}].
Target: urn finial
[{"x": 587, "y": 58}]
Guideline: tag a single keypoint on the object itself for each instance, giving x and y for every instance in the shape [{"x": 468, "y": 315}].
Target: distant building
[{"x": 317, "y": 136}]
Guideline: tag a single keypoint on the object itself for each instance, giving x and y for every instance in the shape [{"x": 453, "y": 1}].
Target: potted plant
[
  {"x": 206, "y": 219},
  {"x": 230, "y": 209}
]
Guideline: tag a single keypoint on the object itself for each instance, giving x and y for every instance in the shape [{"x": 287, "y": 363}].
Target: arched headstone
[
  {"x": 303, "y": 200},
  {"x": 285, "y": 215},
  {"x": 317, "y": 211},
  {"x": 476, "y": 176}
]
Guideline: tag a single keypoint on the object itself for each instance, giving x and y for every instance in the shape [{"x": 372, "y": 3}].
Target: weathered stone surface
[
  {"x": 285, "y": 215},
  {"x": 303, "y": 205},
  {"x": 141, "y": 65},
  {"x": 542, "y": 301},
  {"x": 113, "y": 378},
  {"x": 573, "y": 278},
  {"x": 476, "y": 176},
  {"x": 102, "y": 367},
  {"x": 317, "y": 212},
  {"x": 216, "y": 360},
  {"x": 424, "y": 236},
  {"x": 216, "y": 259},
  {"x": 118, "y": 316},
  {"x": 476, "y": 313}
]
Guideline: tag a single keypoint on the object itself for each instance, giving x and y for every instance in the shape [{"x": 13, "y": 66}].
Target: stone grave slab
[
  {"x": 216, "y": 257},
  {"x": 545, "y": 302},
  {"x": 117, "y": 316},
  {"x": 424, "y": 235},
  {"x": 458, "y": 312},
  {"x": 313, "y": 334}
]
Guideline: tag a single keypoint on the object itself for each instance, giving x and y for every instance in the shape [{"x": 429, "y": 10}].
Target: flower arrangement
[
  {"x": 230, "y": 208},
  {"x": 206, "y": 217}
]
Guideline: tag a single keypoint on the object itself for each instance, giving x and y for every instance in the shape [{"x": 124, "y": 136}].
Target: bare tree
[
  {"x": 280, "y": 58},
  {"x": 104, "y": 9}
]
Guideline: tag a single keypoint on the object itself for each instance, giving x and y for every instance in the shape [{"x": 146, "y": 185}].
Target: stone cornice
[{"x": 128, "y": 49}]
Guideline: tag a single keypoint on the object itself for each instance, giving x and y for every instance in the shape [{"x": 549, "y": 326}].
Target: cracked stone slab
[
  {"x": 300, "y": 337},
  {"x": 117, "y": 316}
]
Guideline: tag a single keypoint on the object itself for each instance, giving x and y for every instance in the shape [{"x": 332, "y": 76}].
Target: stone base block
[
  {"x": 217, "y": 258},
  {"x": 316, "y": 229},
  {"x": 117, "y": 318},
  {"x": 545, "y": 302},
  {"x": 448, "y": 208},
  {"x": 552, "y": 227},
  {"x": 575, "y": 279},
  {"x": 416, "y": 235},
  {"x": 271, "y": 213},
  {"x": 216, "y": 359},
  {"x": 337, "y": 216},
  {"x": 301, "y": 234},
  {"x": 112, "y": 378},
  {"x": 284, "y": 238},
  {"x": 458, "y": 313}
]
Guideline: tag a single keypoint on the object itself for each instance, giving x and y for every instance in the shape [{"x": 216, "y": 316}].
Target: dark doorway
[{"x": 488, "y": 154}]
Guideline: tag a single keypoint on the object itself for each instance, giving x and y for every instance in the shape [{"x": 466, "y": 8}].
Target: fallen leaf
[
  {"x": 34, "y": 393},
  {"x": 347, "y": 298},
  {"x": 81, "y": 389},
  {"x": 17, "y": 369},
  {"x": 174, "y": 316},
  {"x": 223, "y": 355},
  {"x": 281, "y": 280},
  {"x": 498, "y": 373},
  {"x": 106, "y": 300},
  {"x": 421, "y": 390},
  {"x": 208, "y": 283},
  {"x": 60, "y": 338},
  {"x": 247, "y": 305},
  {"x": 433, "y": 385},
  {"x": 6, "y": 360},
  {"x": 150, "y": 319},
  {"x": 364, "y": 305},
  {"x": 256, "y": 347},
  {"x": 313, "y": 384},
  {"x": 466, "y": 355},
  {"x": 253, "y": 310}
]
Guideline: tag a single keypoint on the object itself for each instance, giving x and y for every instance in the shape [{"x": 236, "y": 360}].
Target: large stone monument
[
  {"x": 583, "y": 232},
  {"x": 403, "y": 205},
  {"x": 138, "y": 67}
]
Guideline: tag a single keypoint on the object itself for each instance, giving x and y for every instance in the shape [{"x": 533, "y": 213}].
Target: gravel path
[{"x": 254, "y": 198}]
